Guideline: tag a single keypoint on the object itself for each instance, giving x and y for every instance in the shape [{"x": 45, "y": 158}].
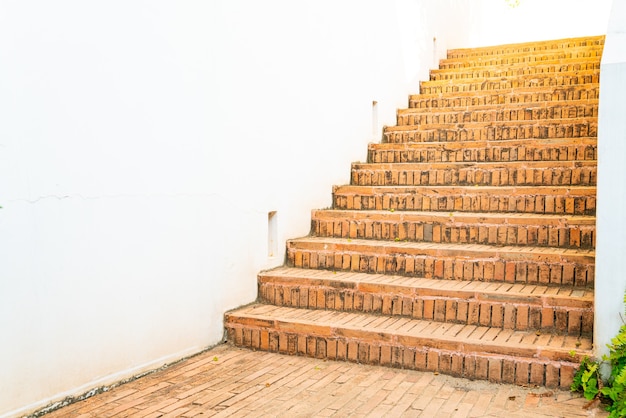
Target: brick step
[
  {"x": 464, "y": 99},
  {"x": 498, "y": 113},
  {"x": 469, "y": 351},
  {"x": 565, "y": 149},
  {"x": 457, "y": 228},
  {"x": 471, "y": 64},
  {"x": 498, "y": 83},
  {"x": 488, "y": 107},
  {"x": 528, "y": 47},
  {"x": 541, "y": 173},
  {"x": 574, "y": 200},
  {"x": 524, "y": 58},
  {"x": 512, "y": 264},
  {"x": 493, "y": 131},
  {"x": 556, "y": 310},
  {"x": 551, "y": 69}
]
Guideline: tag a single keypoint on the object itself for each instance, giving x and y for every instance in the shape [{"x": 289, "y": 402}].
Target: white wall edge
[{"x": 610, "y": 282}]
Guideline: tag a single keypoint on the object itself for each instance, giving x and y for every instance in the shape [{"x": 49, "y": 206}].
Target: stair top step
[
  {"x": 503, "y": 253},
  {"x": 528, "y": 294},
  {"x": 413, "y": 332},
  {"x": 529, "y": 47},
  {"x": 456, "y": 218}
]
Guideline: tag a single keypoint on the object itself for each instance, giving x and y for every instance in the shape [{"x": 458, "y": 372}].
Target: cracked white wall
[{"x": 142, "y": 145}]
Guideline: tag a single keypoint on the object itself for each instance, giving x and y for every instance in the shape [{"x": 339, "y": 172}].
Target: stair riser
[
  {"x": 573, "y": 236},
  {"x": 521, "y": 59},
  {"x": 499, "y": 115},
  {"x": 504, "y": 97},
  {"x": 509, "y": 71},
  {"x": 468, "y": 152},
  {"x": 468, "y": 132},
  {"x": 547, "y": 319},
  {"x": 446, "y": 86},
  {"x": 471, "y": 176},
  {"x": 467, "y": 201},
  {"x": 495, "y": 368},
  {"x": 447, "y": 267}
]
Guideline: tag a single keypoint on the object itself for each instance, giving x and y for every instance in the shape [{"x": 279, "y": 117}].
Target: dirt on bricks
[{"x": 233, "y": 382}]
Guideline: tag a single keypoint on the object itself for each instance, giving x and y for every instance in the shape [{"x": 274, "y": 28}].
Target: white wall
[
  {"x": 611, "y": 225},
  {"x": 142, "y": 144},
  {"x": 511, "y": 21}
]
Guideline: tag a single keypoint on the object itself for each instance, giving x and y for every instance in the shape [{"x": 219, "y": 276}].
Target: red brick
[
  {"x": 432, "y": 360},
  {"x": 385, "y": 355},
  {"x": 495, "y": 370},
  {"x": 522, "y": 371},
  {"x": 353, "y": 350},
  {"x": 537, "y": 374}
]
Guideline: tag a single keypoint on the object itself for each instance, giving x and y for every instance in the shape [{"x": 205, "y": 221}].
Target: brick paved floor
[{"x": 233, "y": 382}]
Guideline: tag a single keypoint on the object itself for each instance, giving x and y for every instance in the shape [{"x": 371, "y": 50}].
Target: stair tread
[
  {"x": 461, "y": 217},
  {"x": 414, "y": 332},
  {"x": 544, "y": 142},
  {"x": 543, "y": 67},
  {"x": 531, "y": 57},
  {"x": 499, "y": 107},
  {"x": 479, "y": 164},
  {"x": 481, "y": 150},
  {"x": 510, "y": 190},
  {"x": 504, "y": 251},
  {"x": 465, "y": 125},
  {"x": 503, "y": 96},
  {"x": 509, "y": 90},
  {"x": 533, "y": 294},
  {"x": 496, "y": 77}
]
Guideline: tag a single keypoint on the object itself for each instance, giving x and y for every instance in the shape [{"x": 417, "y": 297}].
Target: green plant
[
  {"x": 587, "y": 378},
  {"x": 615, "y": 389}
]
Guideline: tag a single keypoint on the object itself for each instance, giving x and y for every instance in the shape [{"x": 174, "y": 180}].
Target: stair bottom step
[{"x": 522, "y": 358}]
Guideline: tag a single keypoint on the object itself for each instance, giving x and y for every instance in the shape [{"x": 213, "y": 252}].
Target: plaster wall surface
[
  {"x": 143, "y": 144},
  {"x": 512, "y": 21},
  {"x": 611, "y": 225}
]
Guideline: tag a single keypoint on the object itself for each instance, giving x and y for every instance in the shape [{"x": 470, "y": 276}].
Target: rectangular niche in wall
[
  {"x": 272, "y": 234},
  {"x": 375, "y": 132}
]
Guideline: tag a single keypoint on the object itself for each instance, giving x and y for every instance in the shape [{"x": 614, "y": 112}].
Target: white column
[{"x": 611, "y": 207}]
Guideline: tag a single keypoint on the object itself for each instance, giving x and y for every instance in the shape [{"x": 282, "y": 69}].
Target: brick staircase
[{"x": 465, "y": 245}]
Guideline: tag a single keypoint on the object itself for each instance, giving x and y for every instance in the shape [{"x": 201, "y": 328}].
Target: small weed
[{"x": 587, "y": 378}]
